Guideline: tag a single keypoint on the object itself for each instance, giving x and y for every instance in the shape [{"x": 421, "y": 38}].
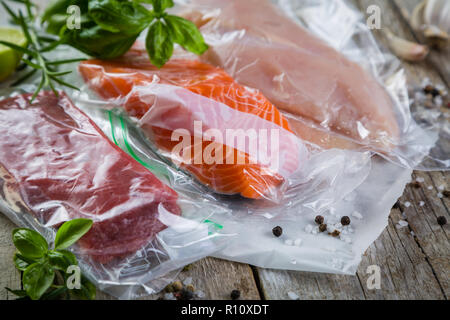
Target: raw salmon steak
[
  {"x": 299, "y": 73},
  {"x": 58, "y": 165},
  {"x": 185, "y": 91}
]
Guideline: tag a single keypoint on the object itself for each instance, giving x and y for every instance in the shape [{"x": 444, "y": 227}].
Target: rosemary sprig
[{"x": 38, "y": 44}]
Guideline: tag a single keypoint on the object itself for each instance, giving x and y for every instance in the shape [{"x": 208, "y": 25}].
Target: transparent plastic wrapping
[
  {"x": 57, "y": 165},
  {"x": 330, "y": 113},
  {"x": 318, "y": 62}
]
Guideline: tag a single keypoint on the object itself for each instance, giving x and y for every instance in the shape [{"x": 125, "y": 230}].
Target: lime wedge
[{"x": 9, "y": 58}]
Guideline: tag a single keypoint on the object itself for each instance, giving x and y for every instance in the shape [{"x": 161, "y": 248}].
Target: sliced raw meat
[
  {"x": 185, "y": 91},
  {"x": 56, "y": 163},
  {"x": 262, "y": 48}
]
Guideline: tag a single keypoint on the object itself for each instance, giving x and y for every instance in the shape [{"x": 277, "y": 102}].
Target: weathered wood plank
[
  {"x": 276, "y": 284},
  {"x": 422, "y": 216},
  {"x": 9, "y": 277},
  {"x": 216, "y": 278}
]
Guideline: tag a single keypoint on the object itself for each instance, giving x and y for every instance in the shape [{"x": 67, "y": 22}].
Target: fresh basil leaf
[
  {"x": 70, "y": 232},
  {"x": 56, "y": 15},
  {"x": 120, "y": 16},
  {"x": 29, "y": 243},
  {"x": 19, "y": 293},
  {"x": 55, "y": 7},
  {"x": 61, "y": 260},
  {"x": 186, "y": 34},
  {"x": 69, "y": 256},
  {"x": 87, "y": 291},
  {"x": 21, "y": 262},
  {"x": 54, "y": 294},
  {"x": 159, "y": 44},
  {"x": 99, "y": 43},
  {"x": 159, "y": 6},
  {"x": 37, "y": 278}
]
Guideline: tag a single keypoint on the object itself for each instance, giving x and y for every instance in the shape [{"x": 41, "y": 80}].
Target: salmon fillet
[
  {"x": 184, "y": 91},
  {"x": 300, "y": 74}
]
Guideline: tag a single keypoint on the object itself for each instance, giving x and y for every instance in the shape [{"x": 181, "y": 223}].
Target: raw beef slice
[{"x": 58, "y": 165}]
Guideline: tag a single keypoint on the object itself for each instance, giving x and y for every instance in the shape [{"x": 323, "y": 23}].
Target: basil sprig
[
  {"x": 110, "y": 27},
  {"x": 42, "y": 267}
]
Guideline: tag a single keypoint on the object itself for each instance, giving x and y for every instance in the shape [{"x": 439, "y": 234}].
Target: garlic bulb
[{"x": 432, "y": 19}]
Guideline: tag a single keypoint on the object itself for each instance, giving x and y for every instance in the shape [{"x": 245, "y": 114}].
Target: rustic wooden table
[{"x": 414, "y": 261}]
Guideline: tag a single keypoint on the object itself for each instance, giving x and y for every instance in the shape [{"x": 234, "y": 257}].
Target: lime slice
[{"x": 9, "y": 58}]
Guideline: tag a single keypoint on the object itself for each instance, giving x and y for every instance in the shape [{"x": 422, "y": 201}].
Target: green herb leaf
[
  {"x": 59, "y": 7},
  {"x": 95, "y": 41},
  {"x": 54, "y": 294},
  {"x": 21, "y": 262},
  {"x": 120, "y": 16},
  {"x": 87, "y": 290},
  {"x": 159, "y": 44},
  {"x": 70, "y": 232},
  {"x": 37, "y": 278},
  {"x": 61, "y": 260},
  {"x": 19, "y": 293},
  {"x": 159, "y": 6},
  {"x": 186, "y": 34},
  {"x": 30, "y": 243}
]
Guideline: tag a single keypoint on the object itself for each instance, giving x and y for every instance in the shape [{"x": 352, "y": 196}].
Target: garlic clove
[
  {"x": 407, "y": 50},
  {"x": 417, "y": 16}
]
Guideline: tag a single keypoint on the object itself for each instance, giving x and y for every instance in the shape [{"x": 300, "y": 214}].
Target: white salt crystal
[
  {"x": 200, "y": 294},
  {"x": 440, "y": 195},
  {"x": 289, "y": 242},
  {"x": 407, "y": 204},
  {"x": 315, "y": 231},
  {"x": 420, "y": 180},
  {"x": 357, "y": 215},
  {"x": 187, "y": 281},
  {"x": 441, "y": 187},
  {"x": 293, "y": 295},
  {"x": 421, "y": 203},
  {"x": 293, "y": 261},
  {"x": 402, "y": 224},
  {"x": 298, "y": 242},
  {"x": 430, "y": 188},
  {"x": 169, "y": 296},
  {"x": 309, "y": 228},
  {"x": 338, "y": 226}
]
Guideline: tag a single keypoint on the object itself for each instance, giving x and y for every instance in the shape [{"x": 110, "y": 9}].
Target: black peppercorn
[
  {"x": 277, "y": 231},
  {"x": 323, "y": 227},
  {"x": 446, "y": 193},
  {"x": 185, "y": 295},
  {"x": 442, "y": 221},
  {"x": 416, "y": 184},
  {"x": 235, "y": 294},
  {"x": 319, "y": 220},
  {"x": 335, "y": 233},
  {"x": 345, "y": 221},
  {"x": 432, "y": 90}
]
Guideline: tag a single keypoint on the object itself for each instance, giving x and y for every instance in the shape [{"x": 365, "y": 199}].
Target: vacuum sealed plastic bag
[
  {"x": 356, "y": 98},
  {"x": 227, "y": 136},
  {"x": 309, "y": 119},
  {"x": 57, "y": 165}
]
